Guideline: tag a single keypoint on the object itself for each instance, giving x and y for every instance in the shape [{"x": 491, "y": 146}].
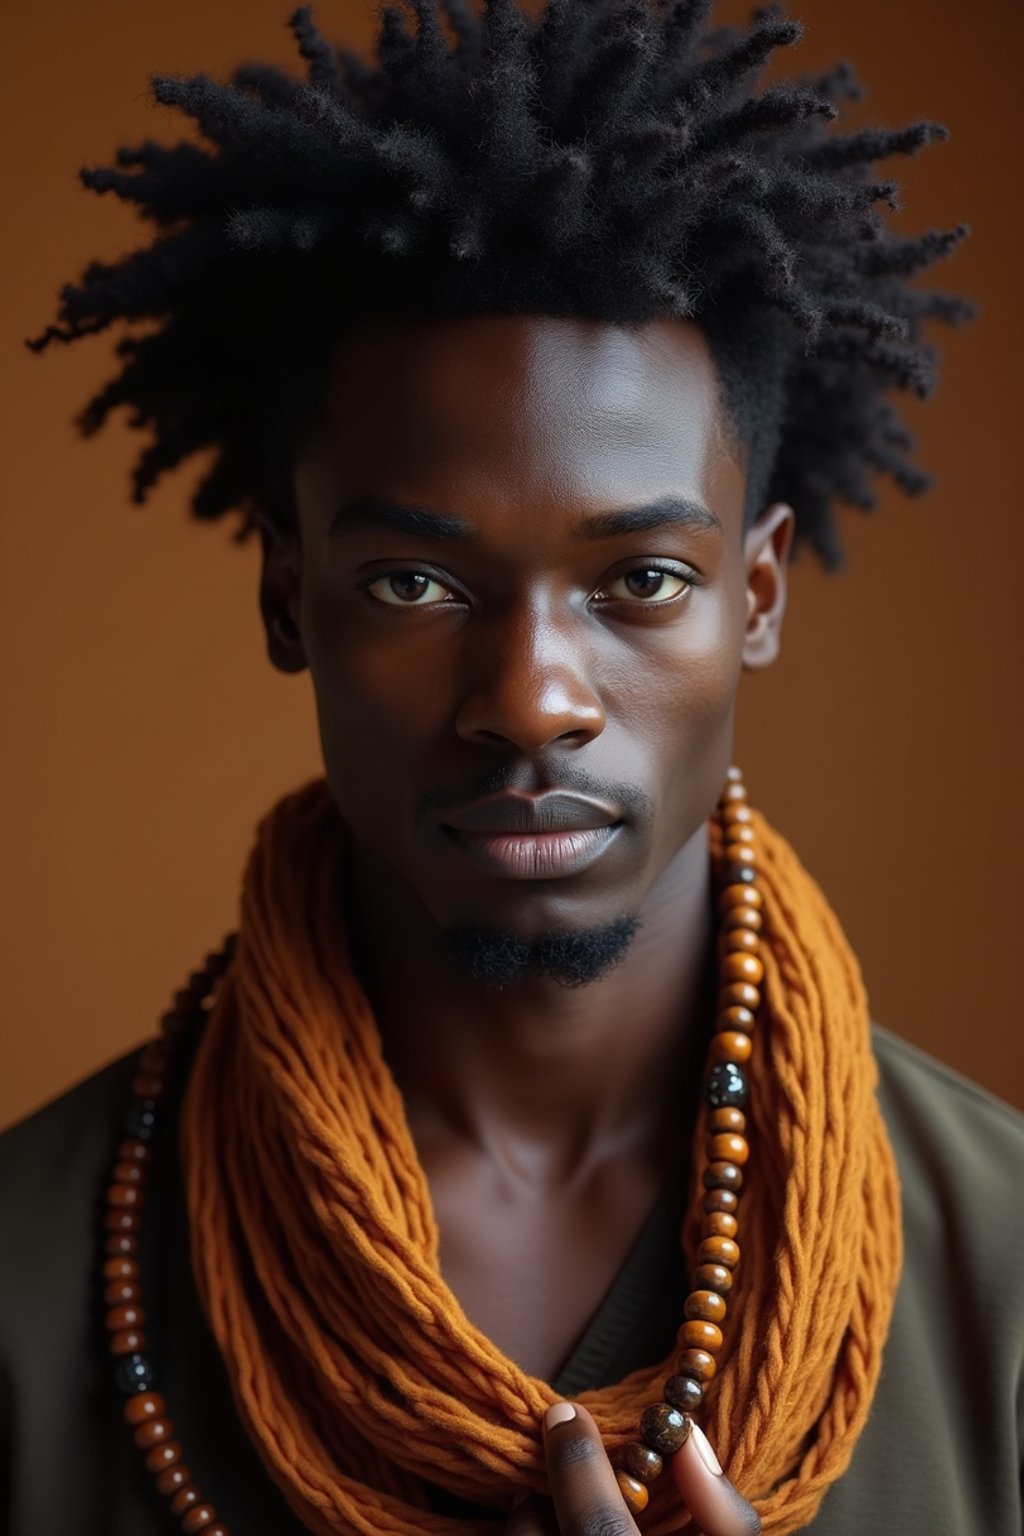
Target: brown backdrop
[{"x": 145, "y": 732}]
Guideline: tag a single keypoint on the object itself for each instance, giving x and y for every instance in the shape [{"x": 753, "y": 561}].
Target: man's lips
[
  {"x": 533, "y": 837},
  {"x": 534, "y": 855}
]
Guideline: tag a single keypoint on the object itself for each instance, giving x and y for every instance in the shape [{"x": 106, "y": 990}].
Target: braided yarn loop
[{"x": 316, "y": 1250}]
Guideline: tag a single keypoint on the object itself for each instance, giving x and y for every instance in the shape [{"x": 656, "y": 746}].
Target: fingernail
[
  {"x": 559, "y": 1413},
  {"x": 705, "y": 1452}
]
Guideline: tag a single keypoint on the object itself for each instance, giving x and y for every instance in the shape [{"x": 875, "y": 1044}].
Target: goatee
[{"x": 497, "y": 958}]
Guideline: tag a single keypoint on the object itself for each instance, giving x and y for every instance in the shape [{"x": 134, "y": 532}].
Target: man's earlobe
[
  {"x": 279, "y": 596},
  {"x": 766, "y": 548}
]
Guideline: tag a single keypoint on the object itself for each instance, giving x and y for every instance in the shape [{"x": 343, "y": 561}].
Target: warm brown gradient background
[{"x": 145, "y": 732}]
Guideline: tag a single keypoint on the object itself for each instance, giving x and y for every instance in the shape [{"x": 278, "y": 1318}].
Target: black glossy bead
[
  {"x": 140, "y": 1119},
  {"x": 664, "y": 1428},
  {"x": 723, "y": 1176},
  {"x": 739, "y": 874},
  {"x": 726, "y": 1086},
  {"x": 683, "y": 1393},
  {"x": 133, "y": 1373}
]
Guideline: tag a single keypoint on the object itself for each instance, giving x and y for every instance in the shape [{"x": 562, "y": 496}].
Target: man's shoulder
[
  {"x": 931, "y": 1095},
  {"x": 960, "y": 1154},
  {"x": 59, "y": 1150}
]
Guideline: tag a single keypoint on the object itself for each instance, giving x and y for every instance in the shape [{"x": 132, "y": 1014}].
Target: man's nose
[{"x": 530, "y": 686}]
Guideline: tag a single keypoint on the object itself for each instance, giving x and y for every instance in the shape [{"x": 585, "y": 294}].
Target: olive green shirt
[{"x": 941, "y": 1454}]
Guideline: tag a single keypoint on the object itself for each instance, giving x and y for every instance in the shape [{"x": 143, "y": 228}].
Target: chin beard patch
[{"x": 497, "y": 958}]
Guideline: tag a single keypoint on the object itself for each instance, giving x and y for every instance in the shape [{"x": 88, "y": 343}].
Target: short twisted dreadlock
[{"x": 607, "y": 159}]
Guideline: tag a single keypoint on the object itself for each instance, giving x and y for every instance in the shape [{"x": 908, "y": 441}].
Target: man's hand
[{"x": 585, "y": 1498}]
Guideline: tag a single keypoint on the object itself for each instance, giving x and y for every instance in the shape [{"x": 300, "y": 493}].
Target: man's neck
[{"x": 547, "y": 1080}]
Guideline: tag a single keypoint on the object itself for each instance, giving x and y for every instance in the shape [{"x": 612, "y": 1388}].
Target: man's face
[{"x": 523, "y": 569}]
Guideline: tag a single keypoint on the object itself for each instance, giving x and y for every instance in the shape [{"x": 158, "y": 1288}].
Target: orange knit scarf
[{"x": 315, "y": 1247}]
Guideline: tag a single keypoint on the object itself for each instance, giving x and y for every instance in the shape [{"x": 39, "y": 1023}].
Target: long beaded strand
[
  {"x": 145, "y": 1412},
  {"x": 664, "y": 1425}
]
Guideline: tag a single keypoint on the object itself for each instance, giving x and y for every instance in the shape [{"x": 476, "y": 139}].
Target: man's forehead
[{"x": 583, "y": 401}]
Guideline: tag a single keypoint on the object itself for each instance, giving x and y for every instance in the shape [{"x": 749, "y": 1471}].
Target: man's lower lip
[{"x": 533, "y": 855}]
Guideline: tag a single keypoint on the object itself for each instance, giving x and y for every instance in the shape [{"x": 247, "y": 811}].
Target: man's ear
[
  {"x": 766, "y": 547},
  {"x": 280, "y": 596}
]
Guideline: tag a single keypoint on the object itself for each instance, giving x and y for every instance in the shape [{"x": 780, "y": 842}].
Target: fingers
[
  {"x": 584, "y": 1491},
  {"x": 718, "y": 1508},
  {"x": 586, "y": 1496}
]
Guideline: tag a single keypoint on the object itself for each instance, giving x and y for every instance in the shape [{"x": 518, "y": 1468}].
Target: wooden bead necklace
[{"x": 665, "y": 1425}]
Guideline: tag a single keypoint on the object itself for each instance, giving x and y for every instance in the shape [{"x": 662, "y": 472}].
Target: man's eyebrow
[
  {"x": 668, "y": 512},
  {"x": 425, "y": 523},
  {"x": 422, "y": 522}
]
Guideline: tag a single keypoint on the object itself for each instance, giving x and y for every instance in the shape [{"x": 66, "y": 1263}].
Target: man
[{"x": 529, "y": 351}]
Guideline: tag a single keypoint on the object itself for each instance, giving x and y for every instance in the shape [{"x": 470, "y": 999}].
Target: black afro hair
[{"x": 604, "y": 159}]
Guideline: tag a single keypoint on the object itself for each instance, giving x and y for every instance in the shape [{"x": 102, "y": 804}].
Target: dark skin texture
[{"x": 545, "y": 1116}]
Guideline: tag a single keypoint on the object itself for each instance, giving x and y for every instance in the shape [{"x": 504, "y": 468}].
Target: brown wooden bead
[
  {"x": 698, "y": 1364},
  {"x": 664, "y": 1428},
  {"x": 122, "y": 1242},
  {"x": 739, "y": 994},
  {"x": 148, "y": 1085},
  {"x": 728, "y": 1118},
  {"x": 713, "y": 1277},
  {"x": 744, "y": 1020},
  {"x": 721, "y": 1200},
  {"x": 719, "y": 1250},
  {"x": 129, "y": 1341},
  {"x": 121, "y": 1293},
  {"x": 120, "y": 1269},
  {"x": 723, "y": 1176},
  {"x": 727, "y": 1148},
  {"x": 217, "y": 1529},
  {"x": 741, "y": 832},
  {"x": 734, "y": 787},
  {"x": 167, "y": 1454},
  {"x": 152, "y": 1433},
  {"x": 155, "y": 1057},
  {"x": 730, "y": 1045},
  {"x": 683, "y": 1392},
  {"x": 737, "y": 967},
  {"x": 172, "y": 1478},
  {"x": 733, "y": 774},
  {"x": 704, "y": 1306},
  {"x": 741, "y": 896},
  {"x": 737, "y": 851},
  {"x": 198, "y": 1519},
  {"x": 719, "y": 1224},
  {"x": 124, "y": 1317},
  {"x": 742, "y": 917},
  {"x": 736, "y": 814},
  {"x": 117, "y": 1219},
  {"x": 133, "y": 1151},
  {"x": 641, "y": 1462},
  {"x": 129, "y": 1173},
  {"x": 745, "y": 940},
  {"x": 697, "y": 1335},
  {"x": 185, "y": 1498},
  {"x": 122, "y": 1195},
  {"x": 633, "y": 1492},
  {"x": 144, "y": 1406}
]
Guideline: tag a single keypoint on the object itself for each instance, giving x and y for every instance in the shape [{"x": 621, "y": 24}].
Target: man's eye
[
  {"x": 409, "y": 589},
  {"x": 648, "y": 584}
]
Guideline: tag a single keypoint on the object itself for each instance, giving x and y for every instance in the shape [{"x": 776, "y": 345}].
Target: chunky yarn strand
[{"x": 316, "y": 1251}]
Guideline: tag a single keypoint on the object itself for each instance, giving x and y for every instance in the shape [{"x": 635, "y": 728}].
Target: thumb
[{"x": 712, "y": 1500}]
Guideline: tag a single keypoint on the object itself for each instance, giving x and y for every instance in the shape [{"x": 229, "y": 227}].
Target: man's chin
[{"x": 499, "y": 958}]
